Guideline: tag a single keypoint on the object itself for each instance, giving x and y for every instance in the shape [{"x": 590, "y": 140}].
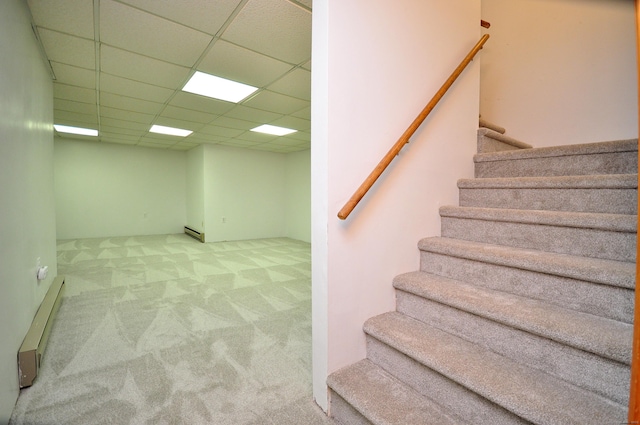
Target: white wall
[
  {"x": 298, "y": 196},
  {"x": 27, "y": 208},
  {"x": 246, "y": 188},
  {"x": 195, "y": 188},
  {"x": 562, "y": 71},
  {"x": 105, "y": 189},
  {"x": 376, "y": 65}
]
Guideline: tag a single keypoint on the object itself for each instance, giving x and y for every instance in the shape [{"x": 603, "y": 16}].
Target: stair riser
[
  {"x": 343, "y": 413},
  {"x": 601, "y": 300},
  {"x": 603, "y": 376},
  {"x": 612, "y": 201},
  {"x": 585, "y": 242},
  {"x": 574, "y": 165},
  {"x": 466, "y": 404}
]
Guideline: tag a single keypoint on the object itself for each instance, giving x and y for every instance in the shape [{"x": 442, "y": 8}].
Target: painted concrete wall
[
  {"x": 105, "y": 189},
  {"x": 27, "y": 207},
  {"x": 561, "y": 72},
  {"x": 244, "y": 193},
  {"x": 376, "y": 65},
  {"x": 298, "y": 196}
]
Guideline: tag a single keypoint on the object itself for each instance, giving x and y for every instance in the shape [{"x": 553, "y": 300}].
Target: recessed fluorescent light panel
[
  {"x": 218, "y": 88},
  {"x": 75, "y": 130},
  {"x": 274, "y": 130},
  {"x": 160, "y": 129}
]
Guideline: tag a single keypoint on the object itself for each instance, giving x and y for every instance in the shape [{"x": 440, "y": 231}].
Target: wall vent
[
  {"x": 194, "y": 233},
  {"x": 32, "y": 348}
]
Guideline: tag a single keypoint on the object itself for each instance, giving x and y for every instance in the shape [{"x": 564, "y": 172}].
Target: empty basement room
[{"x": 156, "y": 326}]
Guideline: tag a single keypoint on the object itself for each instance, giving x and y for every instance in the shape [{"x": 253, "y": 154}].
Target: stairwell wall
[
  {"x": 376, "y": 65},
  {"x": 561, "y": 72}
]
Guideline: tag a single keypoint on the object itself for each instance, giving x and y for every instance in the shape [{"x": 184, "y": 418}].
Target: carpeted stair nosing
[
  {"x": 616, "y": 146},
  {"x": 603, "y": 376},
  {"x": 584, "y": 220},
  {"x": 367, "y": 387},
  {"x": 535, "y": 396},
  {"x": 603, "y": 181},
  {"x": 608, "y": 236},
  {"x": 606, "y": 272},
  {"x": 604, "y": 337}
]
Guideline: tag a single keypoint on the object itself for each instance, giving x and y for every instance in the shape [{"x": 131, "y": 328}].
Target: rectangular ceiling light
[
  {"x": 218, "y": 88},
  {"x": 160, "y": 129},
  {"x": 274, "y": 130},
  {"x": 75, "y": 130}
]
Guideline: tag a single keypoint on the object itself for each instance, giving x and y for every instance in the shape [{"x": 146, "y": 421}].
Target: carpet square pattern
[{"x": 168, "y": 330}]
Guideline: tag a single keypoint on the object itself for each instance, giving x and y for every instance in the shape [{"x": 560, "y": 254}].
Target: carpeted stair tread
[
  {"x": 531, "y": 394},
  {"x": 607, "y": 193},
  {"x": 617, "y": 157},
  {"x": 604, "y": 181},
  {"x": 605, "y": 337},
  {"x": 610, "y": 222},
  {"x": 367, "y": 388},
  {"x": 606, "y": 272},
  {"x": 599, "y": 235},
  {"x": 630, "y": 145}
]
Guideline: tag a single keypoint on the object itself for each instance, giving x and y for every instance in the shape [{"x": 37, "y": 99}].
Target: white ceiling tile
[
  {"x": 78, "y": 94},
  {"x": 293, "y": 122},
  {"x": 252, "y": 136},
  {"x": 71, "y": 106},
  {"x": 118, "y": 141},
  {"x": 239, "y": 143},
  {"x": 74, "y": 76},
  {"x": 153, "y": 144},
  {"x": 70, "y": 16},
  {"x": 275, "y": 102},
  {"x": 164, "y": 139},
  {"x": 126, "y": 115},
  {"x": 239, "y": 64},
  {"x": 205, "y": 138},
  {"x": 175, "y": 123},
  {"x": 116, "y": 136},
  {"x": 112, "y": 123},
  {"x": 123, "y": 86},
  {"x": 276, "y": 28},
  {"x": 229, "y": 122},
  {"x": 204, "y": 15},
  {"x": 68, "y": 49},
  {"x": 304, "y": 113},
  {"x": 201, "y": 103},
  {"x": 303, "y": 136},
  {"x": 59, "y": 117},
  {"x": 187, "y": 115},
  {"x": 134, "y": 30},
  {"x": 130, "y": 103},
  {"x": 297, "y": 83},
  {"x": 104, "y": 126},
  {"x": 141, "y": 68},
  {"x": 219, "y": 131},
  {"x": 245, "y": 113}
]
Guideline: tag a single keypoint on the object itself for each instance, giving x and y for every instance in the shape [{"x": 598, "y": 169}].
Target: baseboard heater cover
[
  {"x": 35, "y": 342},
  {"x": 194, "y": 233}
]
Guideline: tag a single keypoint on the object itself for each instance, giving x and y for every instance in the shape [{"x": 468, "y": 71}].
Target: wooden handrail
[
  {"x": 484, "y": 24},
  {"x": 404, "y": 139}
]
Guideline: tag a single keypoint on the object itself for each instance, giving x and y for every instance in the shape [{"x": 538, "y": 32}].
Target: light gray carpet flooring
[{"x": 167, "y": 330}]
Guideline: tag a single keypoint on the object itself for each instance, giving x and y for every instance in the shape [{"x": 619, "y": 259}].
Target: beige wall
[
  {"x": 27, "y": 208},
  {"x": 561, "y": 71},
  {"x": 376, "y": 64}
]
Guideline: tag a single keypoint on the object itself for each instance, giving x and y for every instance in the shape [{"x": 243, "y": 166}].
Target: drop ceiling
[{"x": 119, "y": 67}]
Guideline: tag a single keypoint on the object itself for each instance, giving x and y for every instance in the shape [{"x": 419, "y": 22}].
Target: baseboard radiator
[
  {"x": 32, "y": 348},
  {"x": 194, "y": 233}
]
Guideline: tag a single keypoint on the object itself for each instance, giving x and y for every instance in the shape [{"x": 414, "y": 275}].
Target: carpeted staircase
[{"x": 521, "y": 311}]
